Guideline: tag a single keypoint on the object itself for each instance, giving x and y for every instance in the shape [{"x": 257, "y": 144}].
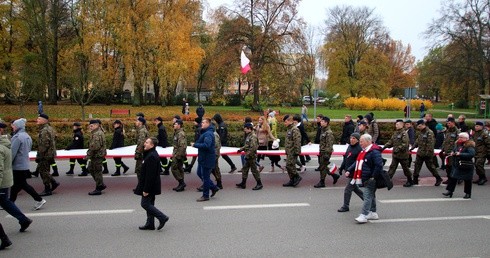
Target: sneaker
[
  {"x": 361, "y": 219},
  {"x": 39, "y": 204},
  {"x": 303, "y": 169},
  {"x": 372, "y": 216}
]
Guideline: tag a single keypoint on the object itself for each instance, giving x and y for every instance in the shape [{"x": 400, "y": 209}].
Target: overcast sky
[{"x": 405, "y": 19}]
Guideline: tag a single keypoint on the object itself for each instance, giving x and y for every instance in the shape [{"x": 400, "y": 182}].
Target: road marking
[
  {"x": 424, "y": 200},
  {"x": 105, "y": 176},
  {"x": 430, "y": 219},
  {"x": 75, "y": 213},
  {"x": 256, "y": 206}
]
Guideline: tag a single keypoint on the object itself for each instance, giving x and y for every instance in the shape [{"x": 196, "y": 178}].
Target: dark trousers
[
  {"x": 205, "y": 174},
  {"x": 349, "y": 188},
  {"x": 10, "y": 207},
  {"x": 229, "y": 161},
  {"x": 451, "y": 185},
  {"x": 148, "y": 203},
  {"x": 20, "y": 183}
]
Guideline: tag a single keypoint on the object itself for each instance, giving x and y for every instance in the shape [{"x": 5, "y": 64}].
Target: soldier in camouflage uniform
[
  {"x": 482, "y": 148},
  {"x": 96, "y": 154},
  {"x": 250, "y": 149},
  {"x": 216, "y": 172},
  {"x": 400, "y": 143},
  {"x": 327, "y": 140},
  {"x": 450, "y": 138},
  {"x": 142, "y": 135},
  {"x": 46, "y": 152},
  {"x": 179, "y": 155},
  {"x": 293, "y": 149},
  {"x": 425, "y": 143}
]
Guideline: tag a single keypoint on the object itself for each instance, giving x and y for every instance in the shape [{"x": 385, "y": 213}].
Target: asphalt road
[{"x": 285, "y": 222}]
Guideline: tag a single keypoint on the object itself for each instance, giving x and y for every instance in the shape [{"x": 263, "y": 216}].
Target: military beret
[
  {"x": 399, "y": 120},
  {"x": 77, "y": 124},
  {"x": 94, "y": 121},
  {"x": 450, "y": 119},
  {"x": 421, "y": 122},
  {"x": 140, "y": 114},
  {"x": 286, "y": 117},
  {"x": 178, "y": 121},
  {"x": 408, "y": 121},
  {"x": 177, "y": 117},
  {"x": 480, "y": 123},
  {"x": 117, "y": 122},
  {"x": 44, "y": 116},
  {"x": 142, "y": 120},
  {"x": 159, "y": 119},
  {"x": 248, "y": 125},
  {"x": 326, "y": 119}
]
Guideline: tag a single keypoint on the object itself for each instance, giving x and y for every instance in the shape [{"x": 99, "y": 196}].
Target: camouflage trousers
[
  {"x": 95, "y": 169},
  {"x": 44, "y": 167},
  {"x": 429, "y": 162},
  {"x": 291, "y": 165},
  {"x": 250, "y": 165},
  {"x": 324, "y": 161},
  {"x": 137, "y": 168},
  {"x": 178, "y": 168},
  {"x": 480, "y": 166},
  {"x": 216, "y": 172},
  {"x": 405, "y": 166}
]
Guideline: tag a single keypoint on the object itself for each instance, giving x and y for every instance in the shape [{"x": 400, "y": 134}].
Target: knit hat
[
  {"x": 142, "y": 120},
  {"x": 368, "y": 117},
  {"x": 356, "y": 135},
  {"x": 439, "y": 127},
  {"x": 20, "y": 123},
  {"x": 44, "y": 116},
  {"x": 464, "y": 135},
  {"x": 480, "y": 123}
]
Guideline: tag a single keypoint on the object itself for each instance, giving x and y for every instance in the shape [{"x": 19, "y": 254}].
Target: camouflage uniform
[
  {"x": 179, "y": 154},
  {"x": 140, "y": 148},
  {"x": 96, "y": 154},
  {"x": 326, "y": 148},
  {"x": 450, "y": 138},
  {"x": 46, "y": 152},
  {"x": 293, "y": 149},
  {"x": 250, "y": 149},
  {"x": 482, "y": 148},
  {"x": 400, "y": 143},
  {"x": 216, "y": 172},
  {"x": 425, "y": 143}
]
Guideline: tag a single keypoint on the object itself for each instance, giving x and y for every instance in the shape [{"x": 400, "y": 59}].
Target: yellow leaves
[{"x": 364, "y": 103}]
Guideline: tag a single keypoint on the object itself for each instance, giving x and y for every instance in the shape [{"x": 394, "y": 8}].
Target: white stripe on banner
[{"x": 430, "y": 219}]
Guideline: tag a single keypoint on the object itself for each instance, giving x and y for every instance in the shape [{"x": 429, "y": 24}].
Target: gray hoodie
[{"x": 21, "y": 146}]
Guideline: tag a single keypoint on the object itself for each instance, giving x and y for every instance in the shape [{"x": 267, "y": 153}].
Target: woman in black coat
[
  {"x": 463, "y": 166},
  {"x": 149, "y": 185}
]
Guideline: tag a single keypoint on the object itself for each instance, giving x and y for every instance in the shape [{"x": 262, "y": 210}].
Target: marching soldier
[
  {"x": 250, "y": 148},
  {"x": 46, "y": 152},
  {"x": 142, "y": 135},
  {"x": 482, "y": 140},
  {"x": 162, "y": 142},
  {"x": 293, "y": 149},
  {"x": 450, "y": 138},
  {"x": 400, "y": 143},
  {"x": 179, "y": 155},
  {"x": 96, "y": 154},
  {"x": 77, "y": 143},
  {"x": 425, "y": 143},
  {"x": 216, "y": 172},
  {"x": 327, "y": 140}
]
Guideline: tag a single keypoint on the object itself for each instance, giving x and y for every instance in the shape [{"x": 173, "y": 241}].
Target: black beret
[
  {"x": 44, "y": 116},
  {"x": 421, "y": 122},
  {"x": 198, "y": 120},
  {"x": 159, "y": 119},
  {"x": 480, "y": 123},
  {"x": 362, "y": 122},
  {"x": 326, "y": 119},
  {"x": 408, "y": 121},
  {"x": 142, "y": 120},
  {"x": 118, "y": 122},
  {"x": 140, "y": 114},
  {"x": 450, "y": 119},
  {"x": 178, "y": 121},
  {"x": 77, "y": 124},
  {"x": 177, "y": 117},
  {"x": 248, "y": 125},
  {"x": 399, "y": 120},
  {"x": 94, "y": 121},
  {"x": 286, "y": 117}
]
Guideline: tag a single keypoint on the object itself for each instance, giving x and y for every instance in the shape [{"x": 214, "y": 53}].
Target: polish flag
[
  {"x": 332, "y": 168},
  {"x": 245, "y": 63}
]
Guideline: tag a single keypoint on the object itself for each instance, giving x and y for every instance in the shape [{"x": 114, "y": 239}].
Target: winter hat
[
  {"x": 44, "y": 116},
  {"x": 356, "y": 135},
  {"x": 439, "y": 127},
  {"x": 20, "y": 123},
  {"x": 480, "y": 123},
  {"x": 142, "y": 120}
]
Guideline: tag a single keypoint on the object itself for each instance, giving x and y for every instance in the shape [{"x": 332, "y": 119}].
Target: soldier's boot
[
  {"x": 188, "y": 169},
  {"x": 118, "y": 172},
  {"x": 438, "y": 181},
  {"x": 409, "y": 182},
  {"x": 180, "y": 187},
  {"x": 219, "y": 184},
  {"x": 243, "y": 184},
  {"x": 258, "y": 186},
  {"x": 84, "y": 173},
  {"x": 320, "y": 184},
  {"x": 482, "y": 180},
  {"x": 70, "y": 172},
  {"x": 106, "y": 170},
  {"x": 290, "y": 183},
  {"x": 335, "y": 178},
  {"x": 54, "y": 184},
  {"x": 296, "y": 180},
  {"x": 35, "y": 173},
  {"x": 415, "y": 180},
  {"x": 125, "y": 168},
  {"x": 55, "y": 170},
  {"x": 47, "y": 191}
]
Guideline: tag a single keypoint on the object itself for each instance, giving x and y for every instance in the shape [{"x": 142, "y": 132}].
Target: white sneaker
[
  {"x": 372, "y": 216},
  {"x": 303, "y": 169},
  {"x": 361, "y": 219},
  {"x": 39, "y": 204}
]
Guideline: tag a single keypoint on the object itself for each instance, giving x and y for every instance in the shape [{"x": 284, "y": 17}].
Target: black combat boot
[
  {"x": 409, "y": 182},
  {"x": 55, "y": 170},
  {"x": 243, "y": 184},
  {"x": 125, "y": 168},
  {"x": 482, "y": 180},
  {"x": 47, "y": 191},
  {"x": 106, "y": 170},
  {"x": 70, "y": 172},
  {"x": 290, "y": 183},
  {"x": 180, "y": 187},
  {"x": 118, "y": 172},
  {"x": 320, "y": 184},
  {"x": 296, "y": 180},
  {"x": 219, "y": 184},
  {"x": 54, "y": 184},
  {"x": 335, "y": 178},
  {"x": 258, "y": 186},
  {"x": 438, "y": 181},
  {"x": 415, "y": 180}
]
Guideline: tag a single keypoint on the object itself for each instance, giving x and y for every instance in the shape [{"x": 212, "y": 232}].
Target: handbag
[
  {"x": 384, "y": 180},
  {"x": 465, "y": 165}
]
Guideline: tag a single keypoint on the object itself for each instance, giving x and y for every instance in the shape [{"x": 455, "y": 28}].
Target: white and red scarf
[{"x": 357, "y": 178}]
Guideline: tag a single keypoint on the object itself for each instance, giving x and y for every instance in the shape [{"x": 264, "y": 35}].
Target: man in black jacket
[
  {"x": 149, "y": 185},
  {"x": 304, "y": 140},
  {"x": 77, "y": 143},
  {"x": 223, "y": 136},
  {"x": 347, "y": 129},
  {"x": 350, "y": 157},
  {"x": 162, "y": 142}
]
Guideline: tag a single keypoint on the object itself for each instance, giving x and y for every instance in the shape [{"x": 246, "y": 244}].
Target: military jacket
[
  {"x": 251, "y": 146},
  {"x": 326, "y": 141},
  {"x": 142, "y": 136},
  {"x": 482, "y": 141},
  {"x": 293, "y": 141},
  {"x": 180, "y": 144},
  {"x": 46, "y": 148},
  {"x": 96, "y": 145},
  {"x": 425, "y": 142},
  {"x": 450, "y": 138},
  {"x": 400, "y": 142}
]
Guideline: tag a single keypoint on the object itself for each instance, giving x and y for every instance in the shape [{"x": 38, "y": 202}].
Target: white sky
[{"x": 406, "y": 20}]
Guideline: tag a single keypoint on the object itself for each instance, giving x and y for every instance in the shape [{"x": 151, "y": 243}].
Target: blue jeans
[
  {"x": 205, "y": 174},
  {"x": 304, "y": 117},
  {"x": 10, "y": 207},
  {"x": 148, "y": 203},
  {"x": 369, "y": 193}
]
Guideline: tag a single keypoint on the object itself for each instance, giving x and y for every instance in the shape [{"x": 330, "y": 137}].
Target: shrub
[{"x": 415, "y": 103}]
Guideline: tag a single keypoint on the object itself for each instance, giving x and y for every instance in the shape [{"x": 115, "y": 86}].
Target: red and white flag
[{"x": 244, "y": 63}]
